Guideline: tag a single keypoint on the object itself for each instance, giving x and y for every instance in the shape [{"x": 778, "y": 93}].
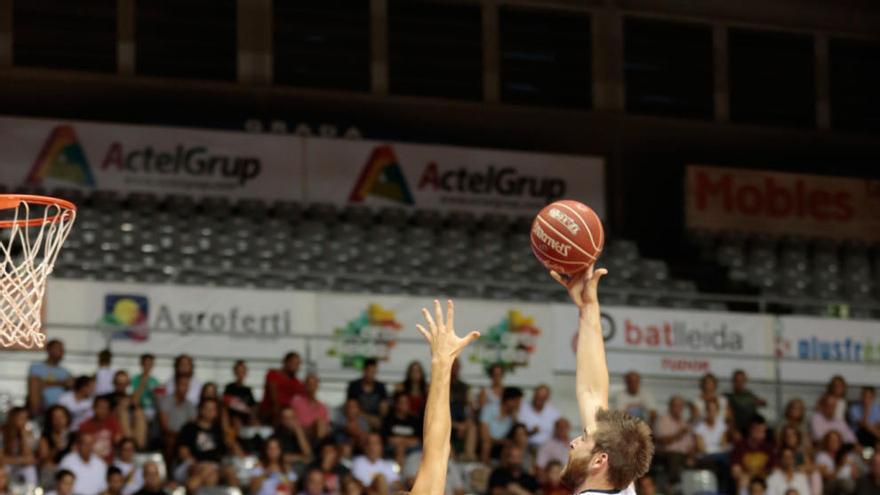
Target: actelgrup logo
[
  {"x": 127, "y": 315},
  {"x": 677, "y": 334},
  {"x": 61, "y": 158},
  {"x": 382, "y": 177}
]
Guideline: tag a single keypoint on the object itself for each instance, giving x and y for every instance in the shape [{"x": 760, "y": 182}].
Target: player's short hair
[{"x": 626, "y": 440}]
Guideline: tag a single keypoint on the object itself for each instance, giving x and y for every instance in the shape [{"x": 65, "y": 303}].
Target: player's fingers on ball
[
  {"x": 557, "y": 277},
  {"x": 425, "y": 333}
]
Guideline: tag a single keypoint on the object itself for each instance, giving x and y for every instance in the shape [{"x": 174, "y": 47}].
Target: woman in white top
[
  {"x": 492, "y": 394},
  {"x": 272, "y": 476},
  {"x": 786, "y": 477},
  {"x": 837, "y": 387},
  {"x": 709, "y": 390},
  {"x": 838, "y": 467}
]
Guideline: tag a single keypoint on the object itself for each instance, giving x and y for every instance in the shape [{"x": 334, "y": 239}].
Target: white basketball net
[{"x": 29, "y": 246}]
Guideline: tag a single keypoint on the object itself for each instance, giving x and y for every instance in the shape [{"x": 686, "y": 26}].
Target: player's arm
[
  {"x": 591, "y": 375},
  {"x": 445, "y": 347}
]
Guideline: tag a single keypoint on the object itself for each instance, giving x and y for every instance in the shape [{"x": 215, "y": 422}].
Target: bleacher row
[{"x": 287, "y": 245}]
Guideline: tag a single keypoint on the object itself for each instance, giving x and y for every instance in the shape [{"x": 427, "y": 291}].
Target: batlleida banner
[
  {"x": 674, "y": 342},
  {"x": 163, "y": 160},
  {"x": 449, "y": 177},
  {"x": 815, "y": 349}
]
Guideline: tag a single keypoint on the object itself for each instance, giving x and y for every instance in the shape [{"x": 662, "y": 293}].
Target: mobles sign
[{"x": 763, "y": 201}]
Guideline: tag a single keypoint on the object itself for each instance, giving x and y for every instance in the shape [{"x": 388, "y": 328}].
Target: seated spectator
[
  {"x": 294, "y": 442},
  {"x": 713, "y": 442},
  {"x": 556, "y": 447},
  {"x": 209, "y": 391},
  {"x": 538, "y": 415},
  {"x": 753, "y": 455},
  {"x": 185, "y": 366},
  {"x": 47, "y": 379},
  {"x": 313, "y": 484},
  {"x": 64, "y": 483},
  {"x": 518, "y": 436},
  {"x": 455, "y": 483},
  {"x": 312, "y": 413},
  {"x": 415, "y": 387},
  {"x": 203, "y": 478},
  {"x": 869, "y": 484},
  {"x": 144, "y": 387},
  {"x": 55, "y": 441},
  {"x": 646, "y": 486},
  {"x": 203, "y": 438},
  {"x": 351, "y": 486},
  {"x": 332, "y": 470},
  {"x": 127, "y": 410},
  {"x": 496, "y": 420},
  {"x": 795, "y": 416},
  {"x": 103, "y": 427},
  {"x": 634, "y": 400},
  {"x": 837, "y": 388},
  {"x": 273, "y": 474},
  {"x": 864, "y": 416},
  {"x": 78, "y": 401},
  {"x": 674, "y": 439},
  {"x": 125, "y": 462},
  {"x": 786, "y": 476},
  {"x": 823, "y": 421},
  {"x": 492, "y": 394},
  {"x": 351, "y": 425},
  {"x": 371, "y": 469},
  {"x": 280, "y": 387},
  {"x": 115, "y": 481},
  {"x": 104, "y": 374},
  {"x": 837, "y": 464},
  {"x": 552, "y": 484},
  {"x": 464, "y": 429},
  {"x": 743, "y": 402},
  {"x": 510, "y": 478},
  {"x": 90, "y": 471},
  {"x": 370, "y": 394},
  {"x": 401, "y": 430},
  {"x": 708, "y": 391},
  {"x": 152, "y": 480},
  {"x": 756, "y": 486},
  {"x": 175, "y": 410},
  {"x": 18, "y": 454},
  {"x": 238, "y": 397}
]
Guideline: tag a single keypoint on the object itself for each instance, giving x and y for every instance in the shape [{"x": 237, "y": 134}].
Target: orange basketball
[{"x": 567, "y": 236}]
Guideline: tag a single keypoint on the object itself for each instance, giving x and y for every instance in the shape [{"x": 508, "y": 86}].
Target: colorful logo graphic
[
  {"x": 371, "y": 335},
  {"x": 509, "y": 343},
  {"x": 126, "y": 315},
  {"x": 382, "y": 177},
  {"x": 62, "y": 158}
]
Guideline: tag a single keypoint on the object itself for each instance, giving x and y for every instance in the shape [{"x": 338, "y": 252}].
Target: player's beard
[{"x": 575, "y": 472}]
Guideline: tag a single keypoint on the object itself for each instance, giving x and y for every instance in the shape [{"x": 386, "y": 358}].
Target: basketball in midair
[{"x": 567, "y": 236}]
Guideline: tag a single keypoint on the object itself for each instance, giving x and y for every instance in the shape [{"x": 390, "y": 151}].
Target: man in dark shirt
[
  {"x": 753, "y": 455},
  {"x": 400, "y": 429},
  {"x": 152, "y": 480},
  {"x": 510, "y": 477},
  {"x": 743, "y": 402},
  {"x": 204, "y": 437},
  {"x": 294, "y": 442},
  {"x": 370, "y": 394},
  {"x": 238, "y": 397}
]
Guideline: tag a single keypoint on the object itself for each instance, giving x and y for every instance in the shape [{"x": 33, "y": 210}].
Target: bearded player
[
  {"x": 445, "y": 347},
  {"x": 614, "y": 449}
]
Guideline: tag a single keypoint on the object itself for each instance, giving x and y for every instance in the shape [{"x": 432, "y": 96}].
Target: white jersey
[{"x": 630, "y": 490}]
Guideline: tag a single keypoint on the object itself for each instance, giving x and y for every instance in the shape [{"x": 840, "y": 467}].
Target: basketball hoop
[{"x": 32, "y": 230}]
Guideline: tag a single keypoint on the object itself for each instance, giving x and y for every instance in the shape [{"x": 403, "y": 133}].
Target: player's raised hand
[
  {"x": 582, "y": 287},
  {"x": 445, "y": 344}
]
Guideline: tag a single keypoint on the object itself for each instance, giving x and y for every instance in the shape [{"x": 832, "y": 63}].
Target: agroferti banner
[
  {"x": 162, "y": 160},
  {"x": 449, "y": 177},
  {"x": 731, "y": 199}
]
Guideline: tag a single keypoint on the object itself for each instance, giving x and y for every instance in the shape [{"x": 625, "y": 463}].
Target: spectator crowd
[{"x": 116, "y": 434}]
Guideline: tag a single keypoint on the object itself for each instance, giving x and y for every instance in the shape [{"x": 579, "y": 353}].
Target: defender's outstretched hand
[
  {"x": 583, "y": 286},
  {"x": 445, "y": 344}
]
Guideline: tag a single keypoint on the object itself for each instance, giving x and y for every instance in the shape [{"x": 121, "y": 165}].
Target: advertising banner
[
  {"x": 448, "y": 177},
  {"x": 673, "y": 342},
  {"x": 730, "y": 199},
  {"x": 815, "y": 349},
  {"x": 162, "y": 160}
]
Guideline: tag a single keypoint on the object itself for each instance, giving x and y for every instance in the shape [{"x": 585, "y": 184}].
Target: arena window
[
  {"x": 435, "y": 49},
  {"x": 545, "y": 57},
  {"x": 65, "y": 35},
  {"x": 772, "y": 78},
  {"x": 855, "y": 76},
  {"x": 668, "y": 68},
  {"x": 193, "y": 39},
  {"x": 323, "y": 44}
]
